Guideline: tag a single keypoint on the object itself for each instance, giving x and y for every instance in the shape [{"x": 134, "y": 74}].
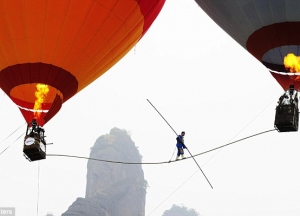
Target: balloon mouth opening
[
  {"x": 285, "y": 73},
  {"x": 32, "y": 110}
]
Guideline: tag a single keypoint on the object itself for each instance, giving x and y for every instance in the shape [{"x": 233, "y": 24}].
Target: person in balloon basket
[
  {"x": 180, "y": 145},
  {"x": 36, "y": 131}
]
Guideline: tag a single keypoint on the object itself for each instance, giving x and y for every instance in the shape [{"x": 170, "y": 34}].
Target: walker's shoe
[
  {"x": 182, "y": 156},
  {"x": 177, "y": 157}
]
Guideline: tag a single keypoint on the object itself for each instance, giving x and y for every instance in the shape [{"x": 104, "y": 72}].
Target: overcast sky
[{"x": 202, "y": 82}]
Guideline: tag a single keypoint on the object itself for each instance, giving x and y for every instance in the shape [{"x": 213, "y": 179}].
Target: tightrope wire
[{"x": 162, "y": 162}]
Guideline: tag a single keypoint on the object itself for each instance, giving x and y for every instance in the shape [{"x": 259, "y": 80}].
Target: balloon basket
[
  {"x": 286, "y": 118},
  {"x": 34, "y": 149}
]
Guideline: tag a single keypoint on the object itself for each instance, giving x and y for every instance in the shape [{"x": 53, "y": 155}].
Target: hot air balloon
[
  {"x": 51, "y": 50},
  {"x": 269, "y": 30}
]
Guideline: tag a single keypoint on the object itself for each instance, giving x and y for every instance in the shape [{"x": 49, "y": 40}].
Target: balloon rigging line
[
  {"x": 234, "y": 142},
  {"x": 38, "y": 191},
  {"x": 243, "y": 128},
  {"x": 8, "y": 137},
  {"x": 163, "y": 162},
  {"x": 173, "y": 192},
  {"x": 254, "y": 118},
  {"x": 11, "y": 134},
  {"x": 11, "y": 144},
  {"x": 185, "y": 145}
]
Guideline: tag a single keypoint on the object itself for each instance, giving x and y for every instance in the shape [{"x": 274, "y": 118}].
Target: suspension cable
[
  {"x": 173, "y": 192},
  {"x": 38, "y": 191},
  {"x": 222, "y": 146},
  {"x": 12, "y": 133},
  {"x": 12, "y": 143}
]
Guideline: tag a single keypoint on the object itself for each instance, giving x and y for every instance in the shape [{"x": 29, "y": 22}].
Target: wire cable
[
  {"x": 11, "y": 143},
  {"x": 162, "y": 162},
  {"x": 10, "y": 136},
  {"x": 173, "y": 192},
  {"x": 234, "y": 142},
  {"x": 243, "y": 129},
  {"x": 11, "y": 133},
  {"x": 38, "y": 191}
]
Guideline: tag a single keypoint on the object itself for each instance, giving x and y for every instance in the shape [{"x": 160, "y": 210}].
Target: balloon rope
[
  {"x": 12, "y": 143},
  {"x": 11, "y": 133},
  {"x": 38, "y": 191}
]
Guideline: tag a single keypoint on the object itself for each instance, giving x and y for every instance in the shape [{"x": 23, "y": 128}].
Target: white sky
[{"x": 202, "y": 82}]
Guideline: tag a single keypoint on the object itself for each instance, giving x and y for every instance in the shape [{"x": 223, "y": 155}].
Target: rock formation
[
  {"x": 180, "y": 211},
  {"x": 112, "y": 189}
]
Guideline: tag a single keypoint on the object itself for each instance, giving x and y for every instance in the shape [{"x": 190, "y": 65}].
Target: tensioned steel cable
[
  {"x": 11, "y": 143},
  {"x": 38, "y": 192},
  {"x": 163, "y": 162},
  {"x": 11, "y": 133},
  {"x": 243, "y": 128},
  {"x": 234, "y": 142},
  {"x": 173, "y": 192}
]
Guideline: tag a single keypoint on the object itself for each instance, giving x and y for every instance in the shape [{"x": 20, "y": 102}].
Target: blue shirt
[{"x": 180, "y": 141}]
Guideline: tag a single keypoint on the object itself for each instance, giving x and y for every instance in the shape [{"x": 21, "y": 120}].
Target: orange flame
[
  {"x": 292, "y": 62},
  {"x": 41, "y": 93}
]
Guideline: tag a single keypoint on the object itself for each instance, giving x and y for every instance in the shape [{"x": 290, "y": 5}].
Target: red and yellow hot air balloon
[
  {"x": 50, "y": 50},
  {"x": 269, "y": 30}
]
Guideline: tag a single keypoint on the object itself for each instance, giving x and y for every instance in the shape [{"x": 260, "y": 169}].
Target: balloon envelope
[
  {"x": 65, "y": 45},
  {"x": 269, "y": 30}
]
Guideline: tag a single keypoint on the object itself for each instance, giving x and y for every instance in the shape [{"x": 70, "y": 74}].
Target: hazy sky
[{"x": 203, "y": 82}]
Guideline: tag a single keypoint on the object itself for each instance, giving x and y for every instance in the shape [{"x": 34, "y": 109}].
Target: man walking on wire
[{"x": 180, "y": 145}]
